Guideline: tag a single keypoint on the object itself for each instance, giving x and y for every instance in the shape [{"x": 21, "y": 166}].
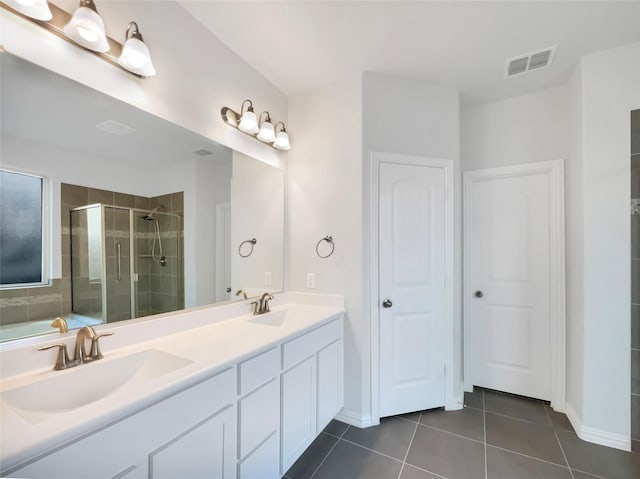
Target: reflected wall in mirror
[{"x": 117, "y": 183}]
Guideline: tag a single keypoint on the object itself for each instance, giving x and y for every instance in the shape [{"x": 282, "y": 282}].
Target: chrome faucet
[
  {"x": 80, "y": 356},
  {"x": 262, "y": 305},
  {"x": 242, "y": 292}
]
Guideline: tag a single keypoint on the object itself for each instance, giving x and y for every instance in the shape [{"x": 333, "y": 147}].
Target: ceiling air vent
[
  {"x": 530, "y": 61},
  {"x": 202, "y": 152},
  {"x": 115, "y": 128}
]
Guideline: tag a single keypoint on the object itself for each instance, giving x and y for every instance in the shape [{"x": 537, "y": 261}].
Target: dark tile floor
[{"x": 496, "y": 436}]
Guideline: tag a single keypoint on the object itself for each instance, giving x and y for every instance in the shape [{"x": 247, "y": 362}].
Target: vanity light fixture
[
  {"x": 267, "y": 133},
  {"x": 257, "y": 127},
  {"x": 36, "y": 9},
  {"x": 248, "y": 120},
  {"x": 282, "y": 139},
  {"x": 135, "y": 55},
  {"x": 86, "y": 28}
]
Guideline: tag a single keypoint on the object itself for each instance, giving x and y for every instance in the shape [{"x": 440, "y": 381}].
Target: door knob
[
  {"x": 228, "y": 290},
  {"x": 478, "y": 294},
  {"x": 387, "y": 303}
]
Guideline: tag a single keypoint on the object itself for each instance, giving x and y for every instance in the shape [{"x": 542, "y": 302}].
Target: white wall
[
  {"x": 574, "y": 235},
  {"x": 325, "y": 198},
  {"x": 213, "y": 186},
  {"x": 523, "y": 129},
  {"x": 196, "y": 73},
  {"x": 257, "y": 211},
  {"x": 611, "y": 89},
  {"x": 415, "y": 118}
]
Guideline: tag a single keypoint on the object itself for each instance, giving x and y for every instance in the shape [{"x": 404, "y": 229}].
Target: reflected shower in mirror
[{"x": 139, "y": 216}]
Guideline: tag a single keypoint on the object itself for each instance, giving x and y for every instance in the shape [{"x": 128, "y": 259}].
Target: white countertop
[{"x": 211, "y": 348}]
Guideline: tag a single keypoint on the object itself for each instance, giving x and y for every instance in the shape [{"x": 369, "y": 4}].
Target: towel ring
[
  {"x": 328, "y": 239},
  {"x": 252, "y": 242}
]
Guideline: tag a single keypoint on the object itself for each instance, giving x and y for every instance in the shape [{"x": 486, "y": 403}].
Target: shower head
[{"x": 149, "y": 216}]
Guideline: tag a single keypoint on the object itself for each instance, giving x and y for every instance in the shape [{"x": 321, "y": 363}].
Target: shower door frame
[{"x": 132, "y": 252}]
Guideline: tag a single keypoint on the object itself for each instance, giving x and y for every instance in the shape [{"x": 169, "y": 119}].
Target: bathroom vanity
[{"x": 234, "y": 396}]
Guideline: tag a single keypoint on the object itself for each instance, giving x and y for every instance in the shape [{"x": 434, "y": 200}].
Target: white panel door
[
  {"x": 412, "y": 287},
  {"x": 509, "y": 283}
]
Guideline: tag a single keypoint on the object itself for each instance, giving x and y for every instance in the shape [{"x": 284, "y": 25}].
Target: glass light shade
[
  {"x": 36, "y": 9},
  {"x": 136, "y": 58},
  {"x": 266, "y": 133},
  {"x": 249, "y": 123},
  {"x": 282, "y": 141},
  {"x": 86, "y": 28}
]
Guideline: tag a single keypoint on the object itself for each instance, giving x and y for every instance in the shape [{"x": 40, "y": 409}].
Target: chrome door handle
[
  {"x": 387, "y": 303},
  {"x": 478, "y": 294}
]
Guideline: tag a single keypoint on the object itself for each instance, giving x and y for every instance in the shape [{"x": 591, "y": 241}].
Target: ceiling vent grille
[
  {"x": 115, "y": 128},
  {"x": 202, "y": 152},
  {"x": 530, "y": 61}
]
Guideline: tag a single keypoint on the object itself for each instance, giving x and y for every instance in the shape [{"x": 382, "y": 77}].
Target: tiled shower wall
[
  {"x": 46, "y": 302},
  {"x": 161, "y": 288},
  {"x": 635, "y": 283}
]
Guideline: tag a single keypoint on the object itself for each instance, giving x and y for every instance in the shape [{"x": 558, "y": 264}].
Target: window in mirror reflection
[{"x": 21, "y": 229}]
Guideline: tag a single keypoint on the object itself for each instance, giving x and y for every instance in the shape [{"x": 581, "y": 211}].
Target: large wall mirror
[{"x": 108, "y": 213}]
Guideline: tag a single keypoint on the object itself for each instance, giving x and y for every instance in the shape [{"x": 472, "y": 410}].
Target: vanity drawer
[
  {"x": 301, "y": 348},
  {"x": 259, "y": 417},
  {"x": 258, "y": 370}
]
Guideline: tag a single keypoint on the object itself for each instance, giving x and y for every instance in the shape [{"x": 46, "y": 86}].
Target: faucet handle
[
  {"x": 255, "y": 307},
  {"x": 62, "y": 361},
  {"x": 95, "y": 347}
]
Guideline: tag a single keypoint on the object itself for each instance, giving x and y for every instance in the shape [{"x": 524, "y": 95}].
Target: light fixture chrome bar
[
  {"x": 56, "y": 26},
  {"x": 233, "y": 118}
]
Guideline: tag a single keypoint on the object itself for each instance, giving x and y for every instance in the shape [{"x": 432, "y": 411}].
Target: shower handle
[{"x": 119, "y": 264}]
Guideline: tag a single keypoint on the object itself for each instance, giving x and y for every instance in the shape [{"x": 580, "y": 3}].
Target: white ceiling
[{"x": 301, "y": 45}]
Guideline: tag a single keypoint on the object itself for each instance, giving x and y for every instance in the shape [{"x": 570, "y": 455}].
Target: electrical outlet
[
  {"x": 267, "y": 278},
  {"x": 311, "y": 280}
]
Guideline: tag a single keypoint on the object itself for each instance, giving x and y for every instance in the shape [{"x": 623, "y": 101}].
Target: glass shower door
[{"x": 118, "y": 259}]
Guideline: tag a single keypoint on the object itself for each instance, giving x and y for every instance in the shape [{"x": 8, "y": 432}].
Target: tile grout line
[
  {"x": 555, "y": 433},
  {"x": 451, "y": 433},
  {"x": 528, "y": 457},
  {"x": 404, "y": 461},
  {"x": 330, "y": 451},
  {"x": 484, "y": 426}
]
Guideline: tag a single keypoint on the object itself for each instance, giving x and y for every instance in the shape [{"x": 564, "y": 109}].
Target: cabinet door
[
  {"x": 299, "y": 423},
  {"x": 330, "y": 383},
  {"x": 206, "y": 450},
  {"x": 262, "y": 463}
]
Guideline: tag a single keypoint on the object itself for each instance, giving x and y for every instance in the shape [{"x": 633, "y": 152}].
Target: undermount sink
[
  {"x": 273, "y": 318},
  {"x": 87, "y": 383}
]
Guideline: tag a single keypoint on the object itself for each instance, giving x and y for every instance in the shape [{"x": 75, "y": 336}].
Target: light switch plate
[{"x": 267, "y": 278}]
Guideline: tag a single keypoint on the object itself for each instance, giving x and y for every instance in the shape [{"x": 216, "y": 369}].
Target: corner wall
[
  {"x": 610, "y": 84},
  {"x": 324, "y": 197}
]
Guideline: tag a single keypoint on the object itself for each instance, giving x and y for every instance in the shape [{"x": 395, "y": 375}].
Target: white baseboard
[
  {"x": 354, "y": 419},
  {"x": 597, "y": 436},
  {"x": 454, "y": 405}
]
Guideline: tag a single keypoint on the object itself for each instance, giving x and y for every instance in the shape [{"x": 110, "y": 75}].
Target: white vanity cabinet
[
  {"x": 251, "y": 421},
  {"x": 259, "y": 416},
  {"x": 312, "y": 388},
  {"x": 191, "y": 434}
]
